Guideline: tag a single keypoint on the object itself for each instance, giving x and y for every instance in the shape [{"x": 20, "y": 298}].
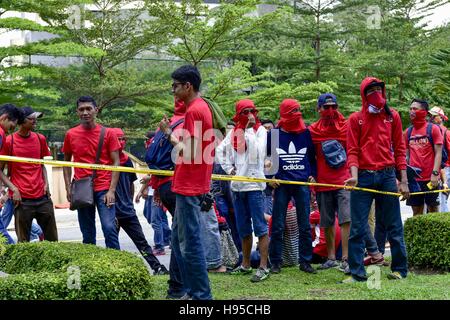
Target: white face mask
[{"x": 373, "y": 109}]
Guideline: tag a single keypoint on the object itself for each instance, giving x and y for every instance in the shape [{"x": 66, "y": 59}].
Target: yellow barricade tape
[{"x": 58, "y": 163}]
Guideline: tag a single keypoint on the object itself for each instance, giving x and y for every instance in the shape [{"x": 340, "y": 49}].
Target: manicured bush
[
  {"x": 427, "y": 240},
  {"x": 49, "y": 270}
]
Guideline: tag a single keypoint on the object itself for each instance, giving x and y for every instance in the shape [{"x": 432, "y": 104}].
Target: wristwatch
[{"x": 435, "y": 173}]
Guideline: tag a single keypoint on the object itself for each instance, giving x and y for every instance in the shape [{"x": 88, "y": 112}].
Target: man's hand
[
  {"x": 274, "y": 184},
  {"x": 267, "y": 165},
  {"x": 434, "y": 181},
  {"x": 404, "y": 190},
  {"x": 110, "y": 198},
  {"x": 17, "y": 198},
  {"x": 233, "y": 172},
  {"x": 164, "y": 126},
  {"x": 251, "y": 121},
  {"x": 352, "y": 182},
  {"x": 311, "y": 179},
  {"x": 145, "y": 179}
]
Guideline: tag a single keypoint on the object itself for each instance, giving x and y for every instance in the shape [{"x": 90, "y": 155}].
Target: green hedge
[
  {"x": 427, "y": 240},
  {"x": 41, "y": 271}
]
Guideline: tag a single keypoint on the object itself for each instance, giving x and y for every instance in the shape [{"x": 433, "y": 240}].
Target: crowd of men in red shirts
[{"x": 369, "y": 150}]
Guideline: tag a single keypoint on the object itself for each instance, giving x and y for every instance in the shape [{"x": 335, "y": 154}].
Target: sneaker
[
  {"x": 369, "y": 260},
  {"x": 241, "y": 270},
  {"x": 344, "y": 267},
  {"x": 161, "y": 271},
  {"x": 348, "y": 280},
  {"x": 159, "y": 252},
  {"x": 328, "y": 264},
  {"x": 175, "y": 295},
  {"x": 260, "y": 275},
  {"x": 395, "y": 276},
  {"x": 275, "y": 268},
  {"x": 186, "y": 297},
  {"x": 306, "y": 267}
]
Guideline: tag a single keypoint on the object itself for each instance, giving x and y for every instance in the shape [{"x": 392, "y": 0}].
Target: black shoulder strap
[
  {"x": 409, "y": 132},
  {"x": 99, "y": 149}
]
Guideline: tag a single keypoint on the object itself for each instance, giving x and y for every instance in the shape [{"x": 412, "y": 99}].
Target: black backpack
[{"x": 334, "y": 152}]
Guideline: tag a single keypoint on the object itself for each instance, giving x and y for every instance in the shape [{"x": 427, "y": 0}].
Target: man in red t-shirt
[
  {"x": 191, "y": 181},
  {"x": 9, "y": 115},
  {"x": 424, "y": 154},
  {"x": 332, "y": 126},
  {"x": 81, "y": 144},
  {"x": 27, "y": 183}
]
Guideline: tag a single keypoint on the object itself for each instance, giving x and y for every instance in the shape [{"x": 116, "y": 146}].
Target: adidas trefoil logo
[{"x": 292, "y": 156}]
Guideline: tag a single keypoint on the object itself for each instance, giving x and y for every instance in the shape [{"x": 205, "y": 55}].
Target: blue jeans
[
  {"x": 160, "y": 225},
  {"x": 211, "y": 236},
  {"x": 370, "y": 242},
  {"x": 282, "y": 196},
  {"x": 387, "y": 215},
  {"x": 188, "y": 244},
  {"x": 86, "y": 219},
  {"x": 6, "y": 217},
  {"x": 224, "y": 205}
]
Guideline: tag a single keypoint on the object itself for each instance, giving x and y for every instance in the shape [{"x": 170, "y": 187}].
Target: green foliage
[
  {"x": 43, "y": 271},
  {"x": 427, "y": 240}
]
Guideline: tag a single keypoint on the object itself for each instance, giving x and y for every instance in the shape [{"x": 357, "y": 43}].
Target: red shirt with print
[
  {"x": 82, "y": 143},
  {"x": 27, "y": 177},
  {"x": 421, "y": 152},
  {"x": 193, "y": 177},
  {"x": 327, "y": 174}
]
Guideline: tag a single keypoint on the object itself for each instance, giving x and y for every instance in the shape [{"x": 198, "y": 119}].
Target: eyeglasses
[
  {"x": 122, "y": 139},
  {"x": 328, "y": 106},
  {"x": 252, "y": 111},
  {"x": 175, "y": 84}
]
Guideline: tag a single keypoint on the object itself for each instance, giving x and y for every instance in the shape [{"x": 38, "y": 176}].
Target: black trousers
[
  {"x": 39, "y": 209},
  {"x": 133, "y": 228}
]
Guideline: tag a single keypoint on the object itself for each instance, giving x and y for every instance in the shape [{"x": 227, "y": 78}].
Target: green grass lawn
[{"x": 292, "y": 284}]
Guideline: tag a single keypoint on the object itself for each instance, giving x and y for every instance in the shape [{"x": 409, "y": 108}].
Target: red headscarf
[
  {"x": 291, "y": 122},
  {"x": 241, "y": 120},
  {"x": 123, "y": 156},
  {"x": 331, "y": 125}
]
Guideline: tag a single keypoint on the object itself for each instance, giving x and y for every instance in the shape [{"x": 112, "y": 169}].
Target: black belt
[{"x": 386, "y": 169}]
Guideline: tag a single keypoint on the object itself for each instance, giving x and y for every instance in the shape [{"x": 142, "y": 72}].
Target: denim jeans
[
  {"x": 211, "y": 236},
  {"x": 176, "y": 286},
  {"x": 86, "y": 219},
  {"x": 188, "y": 243},
  {"x": 282, "y": 196},
  {"x": 5, "y": 218},
  {"x": 444, "y": 198},
  {"x": 224, "y": 205},
  {"x": 370, "y": 242},
  {"x": 249, "y": 210},
  {"x": 387, "y": 217},
  {"x": 160, "y": 225},
  {"x": 131, "y": 225}
]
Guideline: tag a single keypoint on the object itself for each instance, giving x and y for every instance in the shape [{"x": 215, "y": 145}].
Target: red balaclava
[
  {"x": 418, "y": 118},
  {"x": 331, "y": 125},
  {"x": 291, "y": 122},
  {"x": 123, "y": 157},
  {"x": 241, "y": 120}
]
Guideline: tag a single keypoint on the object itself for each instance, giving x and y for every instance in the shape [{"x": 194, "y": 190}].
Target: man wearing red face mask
[
  {"x": 242, "y": 153},
  {"x": 293, "y": 151},
  {"x": 376, "y": 149},
  {"x": 424, "y": 150},
  {"x": 332, "y": 129},
  {"x": 125, "y": 212}
]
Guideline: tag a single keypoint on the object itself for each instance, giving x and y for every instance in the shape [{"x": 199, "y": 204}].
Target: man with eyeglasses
[
  {"x": 191, "y": 181},
  {"x": 242, "y": 153},
  {"x": 295, "y": 154},
  {"x": 27, "y": 182},
  {"x": 332, "y": 128},
  {"x": 376, "y": 149}
]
